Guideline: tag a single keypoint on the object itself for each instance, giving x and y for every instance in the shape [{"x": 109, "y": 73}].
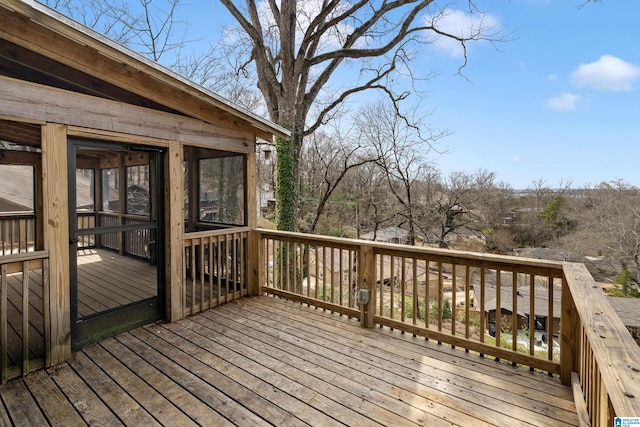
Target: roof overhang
[{"x": 34, "y": 26}]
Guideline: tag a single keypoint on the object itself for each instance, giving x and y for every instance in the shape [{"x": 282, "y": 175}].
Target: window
[
  {"x": 222, "y": 190},
  {"x": 110, "y": 193}
]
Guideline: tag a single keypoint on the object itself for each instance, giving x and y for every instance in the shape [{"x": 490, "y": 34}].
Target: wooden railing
[
  {"x": 24, "y": 314},
  {"x": 214, "y": 268},
  {"x": 604, "y": 358},
  {"x": 546, "y": 315},
  {"x": 17, "y": 233}
]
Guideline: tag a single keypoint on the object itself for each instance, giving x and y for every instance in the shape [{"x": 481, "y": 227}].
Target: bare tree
[
  {"x": 608, "y": 226},
  {"x": 401, "y": 152},
  {"x": 148, "y": 28},
  {"x": 332, "y": 157},
  {"x": 456, "y": 206},
  {"x": 298, "y": 47}
]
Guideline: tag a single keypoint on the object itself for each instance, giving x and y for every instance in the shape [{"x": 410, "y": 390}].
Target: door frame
[{"x": 99, "y": 326}]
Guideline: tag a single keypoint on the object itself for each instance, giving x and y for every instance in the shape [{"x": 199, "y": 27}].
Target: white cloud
[
  {"x": 564, "y": 102},
  {"x": 552, "y": 77},
  {"x": 460, "y": 24},
  {"x": 516, "y": 159},
  {"x": 606, "y": 74}
]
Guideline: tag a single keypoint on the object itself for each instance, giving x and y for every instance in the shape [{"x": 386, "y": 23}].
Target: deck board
[{"x": 267, "y": 361}]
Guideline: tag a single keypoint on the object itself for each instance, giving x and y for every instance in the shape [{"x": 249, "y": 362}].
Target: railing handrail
[
  {"x": 213, "y": 233},
  {"x": 616, "y": 353},
  {"x": 28, "y": 256},
  {"x": 18, "y": 215},
  {"x": 436, "y": 254}
]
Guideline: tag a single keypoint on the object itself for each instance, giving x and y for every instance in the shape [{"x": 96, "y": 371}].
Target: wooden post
[
  {"x": 367, "y": 277},
  {"x": 122, "y": 202},
  {"x": 568, "y": 332},
  {"x": 174, "y": 188},
  {"x": 56, "y": 236},
  {"x": 254, "y": 241},
  {"x": 251, "y": 191},
  {"x": 255, "y": 274}
]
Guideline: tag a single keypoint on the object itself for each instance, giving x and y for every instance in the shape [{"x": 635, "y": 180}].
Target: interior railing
[
  {"x": 24, "y": 314},
  {"x": 17, "y": 233},
  {"x": 547, "y": 316}
]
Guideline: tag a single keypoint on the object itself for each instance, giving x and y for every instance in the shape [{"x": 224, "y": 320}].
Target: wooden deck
[
  {"x": 266, "y": 361},
  {"x": 108, "y": 280}
]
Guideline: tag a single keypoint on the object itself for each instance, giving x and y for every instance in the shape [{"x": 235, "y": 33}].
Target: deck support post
[
  {"x": 568, "y": 335},
  {"x": 56, "y": 236},
  {"x": 254, "y": 240},
  {"x": 254, "y": 266},
  {"x": 367, "y": 275},
  {"x": 174, "y": 224}
]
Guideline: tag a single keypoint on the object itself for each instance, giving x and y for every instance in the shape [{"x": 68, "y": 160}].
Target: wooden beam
[
  {"x": 37, "y": 102},
  {"x": 10, "y": 157},
  {"x": 174, "y": 203},
  {"x": 56, "y": 236}
]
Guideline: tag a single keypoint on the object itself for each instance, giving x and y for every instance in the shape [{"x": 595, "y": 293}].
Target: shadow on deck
[{"x": 267, "y": 361}]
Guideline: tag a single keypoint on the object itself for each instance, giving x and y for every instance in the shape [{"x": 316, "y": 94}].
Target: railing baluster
[
  {"x": 380, "y": 286},
  {"x": 498, "y": 319},
  {"x": 514, "y": 312},
  {"x": 341, "y": 278},
  {"x": 201, "y": 259},
  {"x": 532, "y": 311},
  {"x": 414, "y": 294},
  {"x": 403, "y": 281},
  {"x": 392, "y": 284},
  {"x": 4, "y": 357},
  {"x": 25, "y": 318},
  {"x": 210, "y": 270},
  {"x": 483, "y": 297},
  {"x": 550, "y": 322},
  {"x": 440, "y": 296},
  {"x": 46, "y": 295},
  {"x": 427, "y": 300},
  {"x": 454, "y": 289},
  {"x": 467, "y": 302}
]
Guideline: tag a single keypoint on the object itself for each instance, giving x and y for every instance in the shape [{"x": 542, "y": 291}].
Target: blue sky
[{"x": 557, "y": 101}]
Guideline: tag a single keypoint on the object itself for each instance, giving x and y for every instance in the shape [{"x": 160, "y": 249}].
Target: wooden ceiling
[{"x": 20, "y": 63}]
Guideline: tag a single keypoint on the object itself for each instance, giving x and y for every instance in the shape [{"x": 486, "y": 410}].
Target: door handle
[{"x": 72, "y": 240}]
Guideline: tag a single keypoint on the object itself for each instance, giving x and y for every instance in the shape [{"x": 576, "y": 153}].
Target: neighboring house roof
[
  {"x": 15, "y": 194},
  {"x": 121, "y": 69},
  {"x": 628, "y": 310},
  {"x": 387, "y": 235},
  {"x": 541, "y": 253},
  {"x": 541, "y": 301},
  {"x": 13, "y": 191}
]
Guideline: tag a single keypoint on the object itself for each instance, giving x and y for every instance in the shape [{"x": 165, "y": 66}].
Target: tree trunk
[{"x": 285, "y": 185}]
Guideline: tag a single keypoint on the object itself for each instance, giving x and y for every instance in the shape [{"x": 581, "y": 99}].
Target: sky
[{"x": 557, "y": 101}]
